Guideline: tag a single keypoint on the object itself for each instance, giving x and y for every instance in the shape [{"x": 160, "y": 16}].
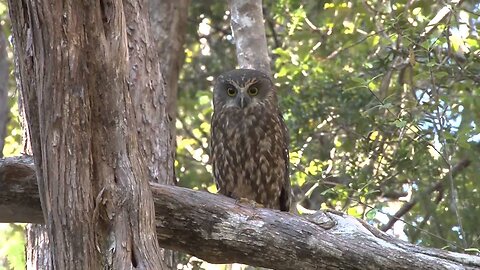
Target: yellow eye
[
  {"x": 253, "y": 91},
  {"x": 231, "y": 91}
]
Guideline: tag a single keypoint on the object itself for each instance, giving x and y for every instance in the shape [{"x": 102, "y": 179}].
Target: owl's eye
[
  {"x": 253, "y": 91},
  {"x": 231, "y": 91}
]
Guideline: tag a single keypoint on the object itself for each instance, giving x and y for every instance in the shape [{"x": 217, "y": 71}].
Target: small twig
[
  {"x": 409, "y": 205},
  {"x": 271, "y": 26},
  {"x": 427, "y": 217}
]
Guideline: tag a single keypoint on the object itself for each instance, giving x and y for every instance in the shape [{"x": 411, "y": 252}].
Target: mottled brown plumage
[{"x": 249, "y": 140}]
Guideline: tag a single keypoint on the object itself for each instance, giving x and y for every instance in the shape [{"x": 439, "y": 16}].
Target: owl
[{"x": 249, "y": 140}]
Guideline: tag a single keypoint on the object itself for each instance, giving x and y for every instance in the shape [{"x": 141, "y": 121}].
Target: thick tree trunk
[
  {"x": 249, "y": 33},
  {"x": 230, "y": 232},
  {"x": 169, "y": 27},
  {"x": 81, "y": 76},
  {"x": 4, "y": 108},
  {"x": 168, "y": 19},
  {"x": 149, "y": 95}
]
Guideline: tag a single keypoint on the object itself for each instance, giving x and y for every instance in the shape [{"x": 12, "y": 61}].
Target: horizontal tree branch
[{"x": 221, "y": 230}]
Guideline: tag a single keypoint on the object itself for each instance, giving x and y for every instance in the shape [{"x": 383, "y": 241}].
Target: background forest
[{"x": 382, "y": 101}]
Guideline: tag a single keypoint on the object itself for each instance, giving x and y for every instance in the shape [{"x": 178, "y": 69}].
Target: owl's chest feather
[{"x": 247, "y": 127}]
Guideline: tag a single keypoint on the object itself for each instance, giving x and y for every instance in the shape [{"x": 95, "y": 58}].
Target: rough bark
[
  {"x": 169, "y": 26},
  {"x": 38, "y": 250},
  {"x": 220, "y": 230},
  {"x": 4, "y": 108},
  {"x": 79, "y": 75},
  {"x": 19, "y": 191},
  {"x": 249, "y": 34},
  {"x": 168, "y": 20},
  {"x": 147, "y": 88}
]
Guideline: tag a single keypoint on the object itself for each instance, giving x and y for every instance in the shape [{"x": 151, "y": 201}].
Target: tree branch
[
  {"x": 406, "y": 207},
  {"x": 19, "y": 198},
  {"x": 228, "y": 231}
]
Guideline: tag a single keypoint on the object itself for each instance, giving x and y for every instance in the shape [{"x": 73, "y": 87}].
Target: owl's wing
[
  {"x": 286, "y": 192},
  {"x": 215, "y": 152}
]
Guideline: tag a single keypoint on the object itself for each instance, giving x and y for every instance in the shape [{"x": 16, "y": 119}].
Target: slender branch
[
  {"x": 271, "y": 25},
  {"x": 436, "y": 187},
  {"x": 427, "y": 216},
  {"x": 443, "y": 13},
  {"x": 228, "y": 231}
]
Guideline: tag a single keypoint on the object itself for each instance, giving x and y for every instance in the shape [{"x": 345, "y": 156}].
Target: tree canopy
[{"x": 381, "y": 100}]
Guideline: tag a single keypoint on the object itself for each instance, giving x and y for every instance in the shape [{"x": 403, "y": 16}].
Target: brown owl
[{"x": 249, "y": 145}]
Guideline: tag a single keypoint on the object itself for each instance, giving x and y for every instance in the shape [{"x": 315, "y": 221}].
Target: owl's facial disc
[{"x": 242, "y": 93}]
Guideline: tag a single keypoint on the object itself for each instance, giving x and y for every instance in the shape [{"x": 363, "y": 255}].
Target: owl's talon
[{"x": 249, "y": 202}]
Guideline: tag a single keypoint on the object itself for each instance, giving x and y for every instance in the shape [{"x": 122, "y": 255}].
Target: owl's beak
[{"x": 243, "y": 100}]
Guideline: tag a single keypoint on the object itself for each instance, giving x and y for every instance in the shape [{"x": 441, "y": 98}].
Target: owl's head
[{"x": 243, "y": 88}]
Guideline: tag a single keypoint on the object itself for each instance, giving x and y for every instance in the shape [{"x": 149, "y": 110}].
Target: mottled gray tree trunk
[{"x": 249, "y": 33}]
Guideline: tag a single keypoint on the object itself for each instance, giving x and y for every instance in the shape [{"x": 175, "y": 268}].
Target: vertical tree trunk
[
  {"x": 249, "y": 34},
  {"x": 81, "y": 75},
  {"x": 38, "y": 250},
  {"x": 168, "y": 19},
  {"x": 169, "y": 26},
  {"x": 4, "y": 71},
  {"x": 149, "y": 95}
]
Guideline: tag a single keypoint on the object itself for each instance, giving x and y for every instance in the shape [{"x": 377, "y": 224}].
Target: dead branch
[{"x": 220, "y": 230}]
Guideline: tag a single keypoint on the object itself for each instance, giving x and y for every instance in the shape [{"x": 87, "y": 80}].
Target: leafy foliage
[
  {"x": 12, "y": 254},
  {"x": 380, "y": 97}
]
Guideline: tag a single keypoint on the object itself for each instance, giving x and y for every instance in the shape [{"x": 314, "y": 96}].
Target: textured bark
[
  {"x": 168, "y": 19},
  {"x": 147, "y": 88},
  {"x": 38, "y": 250},
  {"x": 230, "y": 232},
  {"x": 79, "y": 74},
  {"x": 4, "y": 71},
  {"x": 249, "y": 34},
  {"x": 169, "y": 27},
  {"x": 19, "y": 191}
]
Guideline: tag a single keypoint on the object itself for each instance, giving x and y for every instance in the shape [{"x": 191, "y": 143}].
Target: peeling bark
[
  {"x": 230, "y": 232},
  {"x": 249, "y": 34}
]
